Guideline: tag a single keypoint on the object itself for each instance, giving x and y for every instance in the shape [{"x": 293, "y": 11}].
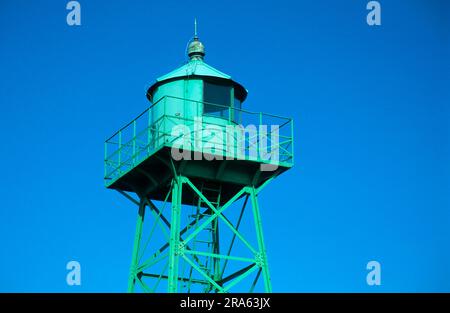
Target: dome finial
[
  {"x": 195, "y": 28},
  {"x": 196, "y": 50}
]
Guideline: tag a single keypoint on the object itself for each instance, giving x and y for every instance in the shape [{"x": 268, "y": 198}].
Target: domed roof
[
  {"x": 196, "y": 49},
  {"x": 196, "y": 67}
]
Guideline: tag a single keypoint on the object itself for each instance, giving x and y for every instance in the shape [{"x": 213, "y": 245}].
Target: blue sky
[{"x": 372, "y": 128}]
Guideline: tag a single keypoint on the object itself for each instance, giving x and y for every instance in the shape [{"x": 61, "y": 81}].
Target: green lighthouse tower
[{"x": 193, "y": 164}]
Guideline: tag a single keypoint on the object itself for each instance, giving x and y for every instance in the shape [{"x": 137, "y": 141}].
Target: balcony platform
[
  {"x": 152, "y": 177},
  {"x": 138, "y": 157}
]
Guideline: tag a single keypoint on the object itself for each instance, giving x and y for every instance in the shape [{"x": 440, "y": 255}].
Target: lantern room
[{"x": 197, "y": 89}]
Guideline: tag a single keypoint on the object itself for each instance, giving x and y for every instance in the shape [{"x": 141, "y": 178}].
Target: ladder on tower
[{"x": 210, "y": 243}]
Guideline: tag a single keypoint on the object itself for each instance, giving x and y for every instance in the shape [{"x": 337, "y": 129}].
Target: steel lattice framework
[
  {"x": 202, "y": 195},
  {"x": 209, "y": 264}
]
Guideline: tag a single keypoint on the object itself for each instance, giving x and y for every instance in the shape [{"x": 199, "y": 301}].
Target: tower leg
[
  {"x": 137, "y": 240},
  {"x": 174, "y": 248},
  {"x": 260, "y": 238}
]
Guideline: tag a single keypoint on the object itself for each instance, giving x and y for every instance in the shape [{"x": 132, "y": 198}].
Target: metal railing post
[
  {"x": 292, "y": 140},
  {"x": 164, "y": 121},
  {"x": 105, "y": 160},
  {"x": 134, "y": 143},
  {"x": 149, "y": 130},
  {"x": 258, "y": 151},
  {"x": 120, "y": 149}
]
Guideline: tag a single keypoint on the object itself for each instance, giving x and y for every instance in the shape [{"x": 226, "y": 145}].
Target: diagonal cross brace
[{"x": 217, "y": 213}]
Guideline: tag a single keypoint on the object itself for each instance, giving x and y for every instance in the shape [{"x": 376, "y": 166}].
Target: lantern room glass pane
[
  {"x": 237, "y": 113},
  {"x": 216, "y": 97}
]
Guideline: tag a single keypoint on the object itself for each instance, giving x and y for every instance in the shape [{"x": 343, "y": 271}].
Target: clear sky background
[{"x": 372, "y": 128}]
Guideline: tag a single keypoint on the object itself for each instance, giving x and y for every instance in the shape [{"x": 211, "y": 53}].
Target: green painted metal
[
  {"x": 175, "y": 249},
  {"x": 137, "y": 240},
  {"x": 259, "y": 232},
  {"x": 192, "y": 244},
  {"x": 150, "y": 131},
  {"x": 194, "y": 67},
  {"x": 212, "y": 277}
]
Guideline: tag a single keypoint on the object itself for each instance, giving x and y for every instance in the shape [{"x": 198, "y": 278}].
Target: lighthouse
[{"x": 193, "y": 164}]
